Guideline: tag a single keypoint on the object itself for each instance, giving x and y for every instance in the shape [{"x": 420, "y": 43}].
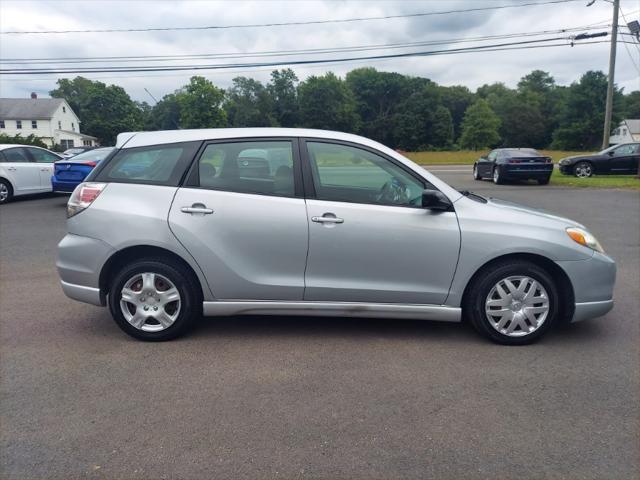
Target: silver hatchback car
[{"x": 179, "y": 224}]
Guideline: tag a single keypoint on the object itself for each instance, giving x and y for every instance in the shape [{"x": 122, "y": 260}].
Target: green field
[
  {"x": 467, "y": 157},
  {"x": 600, "y": 181}
]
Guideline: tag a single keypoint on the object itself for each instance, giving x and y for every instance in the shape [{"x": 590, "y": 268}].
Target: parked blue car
[{"x": 69, "y": 173}]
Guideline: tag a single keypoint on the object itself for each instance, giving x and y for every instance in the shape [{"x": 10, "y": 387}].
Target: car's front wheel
[
  {"x": 583, "y": 169},
  {"x": 476, "y": 174},
  {"x": 153, "y": 299},
  {"x": 512, "y": 303}
]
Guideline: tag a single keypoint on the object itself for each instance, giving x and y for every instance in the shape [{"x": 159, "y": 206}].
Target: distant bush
[{"x": 19, "y": 139}]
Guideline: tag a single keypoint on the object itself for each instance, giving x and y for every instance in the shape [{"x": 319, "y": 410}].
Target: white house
[
  {"x": 50, "y": 119},
  {"x": 627, "y": 131}
]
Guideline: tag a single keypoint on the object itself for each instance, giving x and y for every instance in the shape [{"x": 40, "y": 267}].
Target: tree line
[{"x": 404, "y": 112}]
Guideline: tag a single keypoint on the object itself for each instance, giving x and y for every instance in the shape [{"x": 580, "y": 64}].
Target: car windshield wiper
[{"x": 473, "y": 196}]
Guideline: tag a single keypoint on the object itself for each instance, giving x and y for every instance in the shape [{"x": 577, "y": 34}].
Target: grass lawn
[
  {"x": 467, "y": 157},
  {"x": 598, "y": 181}
]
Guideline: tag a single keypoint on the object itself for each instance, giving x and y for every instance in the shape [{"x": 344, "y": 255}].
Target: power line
[
  {"x": 278, "y": 53},
  {"x": 481, "y": 48},
  {"x": 285, "y": 24},
  {"x": 633, "y": 62}
]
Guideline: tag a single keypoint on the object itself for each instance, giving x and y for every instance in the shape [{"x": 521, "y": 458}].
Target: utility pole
[{"x": 612, "y": 69}]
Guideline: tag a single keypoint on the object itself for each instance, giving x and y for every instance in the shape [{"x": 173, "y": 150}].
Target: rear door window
[
  {"x": 155, "y": 165},
  {"x": 16, "y": 155},
  {"x": 260, "y": 167}
]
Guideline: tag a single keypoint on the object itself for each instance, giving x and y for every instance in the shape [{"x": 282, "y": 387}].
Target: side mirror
[{"x": 435, "y": 200}]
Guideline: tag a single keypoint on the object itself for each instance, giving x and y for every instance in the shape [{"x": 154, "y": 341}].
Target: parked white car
[{"x": 24, "y": 170}]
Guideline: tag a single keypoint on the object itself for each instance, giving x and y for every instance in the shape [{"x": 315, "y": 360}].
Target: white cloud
[{"x": 566, "y": 64}]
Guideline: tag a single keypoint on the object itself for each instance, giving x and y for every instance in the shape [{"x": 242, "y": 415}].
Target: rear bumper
[
  {"x": 62, "y": 186},
  {"x": 516, "y": 171},
  {"x": 82, "y": 293},
  {"x": 79, "y": 263}
]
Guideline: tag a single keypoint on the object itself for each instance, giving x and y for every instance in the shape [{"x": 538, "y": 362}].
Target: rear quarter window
[{"x": 154, "y": 165}]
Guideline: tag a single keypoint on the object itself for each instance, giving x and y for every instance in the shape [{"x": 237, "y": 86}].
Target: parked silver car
[{"x": 174, "y": 225}]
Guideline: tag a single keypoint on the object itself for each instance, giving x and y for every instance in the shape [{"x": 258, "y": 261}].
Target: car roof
[
  {"x": 4, "y": 146},
  {"x": 142, "y": 139}
]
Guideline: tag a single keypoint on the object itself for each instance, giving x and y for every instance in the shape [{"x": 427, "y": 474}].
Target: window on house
[
  {"x": 1, "y": 123},
  {"x": 73, "y": 126},
  {"x": 19, "y": 124},
  {"x": 64, "y": 109},
  {"x": 59, "y": 125},
  {"x": 34, "y": 124},
  {"x": 66, "y": 144}
]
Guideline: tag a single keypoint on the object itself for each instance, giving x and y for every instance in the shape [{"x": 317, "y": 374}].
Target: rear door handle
[
  {"x": 12, "y": 169},
  {"x": 197, "y": 208},
  {"x": 327, "y": 220}
]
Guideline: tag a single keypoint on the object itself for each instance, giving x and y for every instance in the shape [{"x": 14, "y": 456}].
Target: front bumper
[
  {"x": 593, "y": 281},
  {"x": 566, "y": 169}
]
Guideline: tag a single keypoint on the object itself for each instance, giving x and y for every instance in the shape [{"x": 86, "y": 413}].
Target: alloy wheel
[
  {"x": 150, "y": 302},
  {"x": 583, "y": 170},
  {"x": 517, "y": 306},
  {"x": 4, "y": 193}
]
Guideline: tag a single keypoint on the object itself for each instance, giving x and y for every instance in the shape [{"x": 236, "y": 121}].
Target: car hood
[
  {"x": 518, "y": 209},
  {"x": 573, "y": 158}
]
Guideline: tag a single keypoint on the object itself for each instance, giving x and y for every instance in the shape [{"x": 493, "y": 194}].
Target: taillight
[
  {"x": 548, "y": 160},
  {"x": 90, "y": 164},
  {"x": 83, "y": 196}
]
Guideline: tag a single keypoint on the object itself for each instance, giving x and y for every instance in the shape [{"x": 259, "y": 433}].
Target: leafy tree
[
  {"x": 537, "y": 81},
  {"x": 632, "y": 105},
  {"x": 442, "y": 132},
  {"x": 326, "y": 103},
  {"x": 201, "y": 104},
  {"x": 378, "y": 96},
  {"x": 582, "y": 120},
  {"x": 456, "y": 99},
  {"x": 104, "y": 110},
  {"x": 284, "y": 97},
  {"x": 249, "y": 104},
  {"x": 414, "y": 122},
  {"x": 480, "y": 126},
  {"x": 164, "y": 115}
]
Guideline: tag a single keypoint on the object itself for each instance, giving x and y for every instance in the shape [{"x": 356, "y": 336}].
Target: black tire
[
  {"x": 583, "y": 169},
  {"x": 5, "y": 186},
  {"x": 543, "y": 181},
  {"x": 476, "y": 175},
  {"x": 483, "y": 283},
  {"x": 190, "y": 297},
  {"x": 497, "y": 176}
]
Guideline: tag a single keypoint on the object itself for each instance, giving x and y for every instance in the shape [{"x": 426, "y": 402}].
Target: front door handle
[
  {"x": 327, "y": 219},
  {"x": 197, "y": 208},
  {"x": 12, "y": 169}
]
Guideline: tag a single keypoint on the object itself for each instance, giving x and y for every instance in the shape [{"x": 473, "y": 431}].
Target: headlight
[
  {"x": 584, "y": 238},
  {"x": 564, "y": 161}
]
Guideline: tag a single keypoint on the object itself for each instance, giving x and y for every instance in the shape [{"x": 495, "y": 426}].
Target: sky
[{"x": 565, "y": 63}]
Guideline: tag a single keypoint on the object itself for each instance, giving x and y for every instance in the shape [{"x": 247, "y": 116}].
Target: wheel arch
[
  {"x": 565, "y": 287},
  {"x": 13, "y": 190},
  {"x": 128, "y": 254}
]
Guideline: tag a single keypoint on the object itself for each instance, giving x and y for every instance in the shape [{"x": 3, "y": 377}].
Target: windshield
[
  {"x": 74, "y": 150},
  {"x": 93, "y": 155},
  {"x": 607, "y": 150}
]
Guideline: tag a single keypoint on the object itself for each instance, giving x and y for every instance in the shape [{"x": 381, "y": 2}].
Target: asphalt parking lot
[{"x": 271, "y": 397}]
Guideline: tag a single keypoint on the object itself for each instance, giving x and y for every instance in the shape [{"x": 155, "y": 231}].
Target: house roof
[
  {"x": 633, "y": 125},
  {"x": 78, "y": 134},
  {"x": 28, "y": 108}
]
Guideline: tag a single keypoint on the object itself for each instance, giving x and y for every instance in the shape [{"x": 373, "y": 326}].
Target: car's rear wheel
[
  {"x": 497, "y": 176},
  {"x": 476, "y": 174},
  {"x": 583, "y": 169},
  {"x": 6, "y": 192},
  {"x": 544, "y": 181},
  {"x": 512, "y": 303},
  {"x": 153, "y": 299}
]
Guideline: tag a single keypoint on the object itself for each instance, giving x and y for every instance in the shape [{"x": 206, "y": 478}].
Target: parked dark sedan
[
  {"x": 617, "y": 160},
  {"x": 503, "y": 164}
]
